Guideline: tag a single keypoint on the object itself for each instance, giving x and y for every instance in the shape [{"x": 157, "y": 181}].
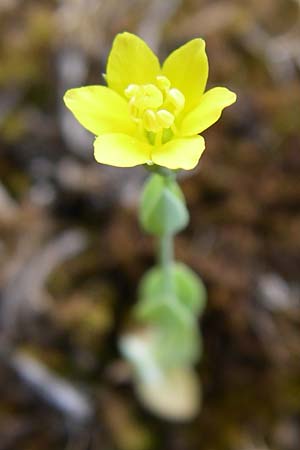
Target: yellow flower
[{"x": 150, "y": 114}]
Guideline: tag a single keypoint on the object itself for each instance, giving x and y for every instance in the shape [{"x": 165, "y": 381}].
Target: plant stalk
[
  {"x": 166, "y": 259},
  {"x": 166, "y": 251}
]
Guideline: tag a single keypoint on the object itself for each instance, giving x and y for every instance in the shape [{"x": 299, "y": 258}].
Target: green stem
[
  {"x": 163, "y": 171},
  {"x": 166, "y": 259},
  {"x": 166, "y": 245}
]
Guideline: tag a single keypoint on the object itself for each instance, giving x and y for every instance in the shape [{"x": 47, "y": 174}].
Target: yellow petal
[
  {"x": 121, "y": 150},
  {"x": 131, "y": 61},
  {"x": 187, "y": 69},
  {"x": 207, "y": 112},
  {"x": 99, "y": 109},
  {"x": 179, "y": 153}
]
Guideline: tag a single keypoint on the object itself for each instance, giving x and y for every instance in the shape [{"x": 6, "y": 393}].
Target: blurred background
[{"x": 72, "y": 253}]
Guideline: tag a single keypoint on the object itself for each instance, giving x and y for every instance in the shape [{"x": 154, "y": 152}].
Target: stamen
[
  {"x": 165, "y": 118},
  {"x": 150, "y": 121},
  {"x": 158, "y": 137},
  {"x": 176, "y": 98},
  {"x": 163, "y": 83},
  {"x": 151, "y": 96},
  {"x": 133, "y": 108},
  {"x": 131, "y": 90},
  {"x": 153, "y": 107}
]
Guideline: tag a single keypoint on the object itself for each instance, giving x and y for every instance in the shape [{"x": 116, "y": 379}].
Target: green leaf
[
  {"x": 188, "y": 295},
  {"x": 178, "y": 346},
  {"x": 162, "y": 209},
  {"x": 189, "y": 288},
  {"x": 165, "y": 310}
]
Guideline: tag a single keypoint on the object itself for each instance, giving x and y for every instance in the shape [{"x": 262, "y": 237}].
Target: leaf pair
[
  {"x": 173, "y": 314},
  {"x": 163, "y": 210}
]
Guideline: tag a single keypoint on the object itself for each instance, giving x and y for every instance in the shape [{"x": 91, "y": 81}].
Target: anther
[
  {"x": 163, "y": 83},
  {"x": 150, "y": 121},
  {"x": 133, "y": 108},
  {"x": 176, "y": 98},
  {"x": 165, "y": 118},
  {"x": 151, "y": 96},
  {"x": 131, "y": 90}
]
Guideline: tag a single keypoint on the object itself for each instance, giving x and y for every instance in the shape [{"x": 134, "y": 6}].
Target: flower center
[{"x": 154, "y": 107}]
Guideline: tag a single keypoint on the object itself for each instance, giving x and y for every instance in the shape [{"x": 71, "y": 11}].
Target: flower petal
[
  {"x": 179, "y": 153},
  {"x": 121, "y": 150},
  {"x": 207, "y": 112},
  {"x": 99, "y": 109},
  {"x": 131, "y": 61},
  {"x": 187, "y": 69}
]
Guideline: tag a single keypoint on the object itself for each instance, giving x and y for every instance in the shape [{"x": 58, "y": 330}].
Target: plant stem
[
  {"x": 166, "y": 251},
  {"x": 166, "y": 259},
  {"x": 166, "y": 242},
  {"x": 166, "y": 246}
]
